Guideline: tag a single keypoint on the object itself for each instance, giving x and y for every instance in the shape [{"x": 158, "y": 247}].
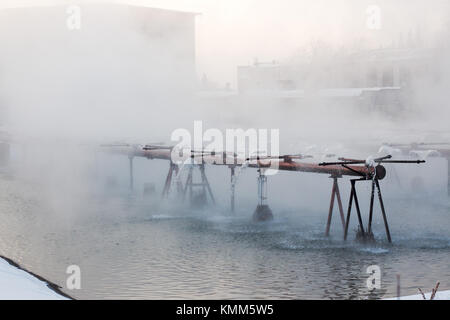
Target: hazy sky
[{"x": 235, "y": 32}]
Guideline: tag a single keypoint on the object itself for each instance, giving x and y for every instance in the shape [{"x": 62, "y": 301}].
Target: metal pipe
[
  {"x": 330, "y": 211},
  {"x": 372, "y": 198},
  {"x": 358, "y": 210},
  {"x": 131, "y": 174},
  {"x": 383, "y": 211},
  {"x": 335, "y": 170},
  {"x": 233, "y": 188},
  {"x": 262, "y": 189},
  {"x": 349, "y": 210},
  {"x": 341, "y": 210}
]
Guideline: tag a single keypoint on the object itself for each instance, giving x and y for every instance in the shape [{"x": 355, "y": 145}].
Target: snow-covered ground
[
  {"x": 440, "y": 295},
  {"x": 17, "y": 284}
]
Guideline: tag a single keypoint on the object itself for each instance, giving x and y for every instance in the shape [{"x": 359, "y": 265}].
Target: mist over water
[
  {"x": 125, "y": 78},
  {"x": 130, "y": 248}
]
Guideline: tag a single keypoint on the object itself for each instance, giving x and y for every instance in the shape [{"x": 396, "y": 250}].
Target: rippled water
[{"x": 128, "y": 250}]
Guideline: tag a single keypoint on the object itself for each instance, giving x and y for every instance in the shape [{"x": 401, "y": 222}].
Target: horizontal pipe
[
  {"x": 334, "y": 170},
  {"x": 162, "y": 154},
  {"x": 135, "y": 152}
]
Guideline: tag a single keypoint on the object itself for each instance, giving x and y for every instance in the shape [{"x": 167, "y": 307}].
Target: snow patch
[{"x": 17, "y": 284}]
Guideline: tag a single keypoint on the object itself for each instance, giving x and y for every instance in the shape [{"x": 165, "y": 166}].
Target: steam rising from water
[{"x": 66, "y": 92}]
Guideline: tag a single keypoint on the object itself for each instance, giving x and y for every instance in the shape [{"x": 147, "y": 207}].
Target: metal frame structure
[
  {"x": 374, "y": 173},
  {"x": 335, "y": 194},
  {"x": 365, "y": 170}
]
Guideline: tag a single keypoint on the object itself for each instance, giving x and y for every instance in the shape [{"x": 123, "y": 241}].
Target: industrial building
[{"x": 370, "y": 79}]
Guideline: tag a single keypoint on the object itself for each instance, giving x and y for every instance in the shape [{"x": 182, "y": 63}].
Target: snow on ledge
[{"x": 18, "y": 284}]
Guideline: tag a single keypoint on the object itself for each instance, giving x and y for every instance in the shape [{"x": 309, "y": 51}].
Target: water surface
[{"x": 134, "y": 249}]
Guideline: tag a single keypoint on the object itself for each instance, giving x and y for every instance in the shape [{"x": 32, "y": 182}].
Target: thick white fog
[
  {"x": 131, "y": 75},
  {"x": 76, "y": 79}
]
